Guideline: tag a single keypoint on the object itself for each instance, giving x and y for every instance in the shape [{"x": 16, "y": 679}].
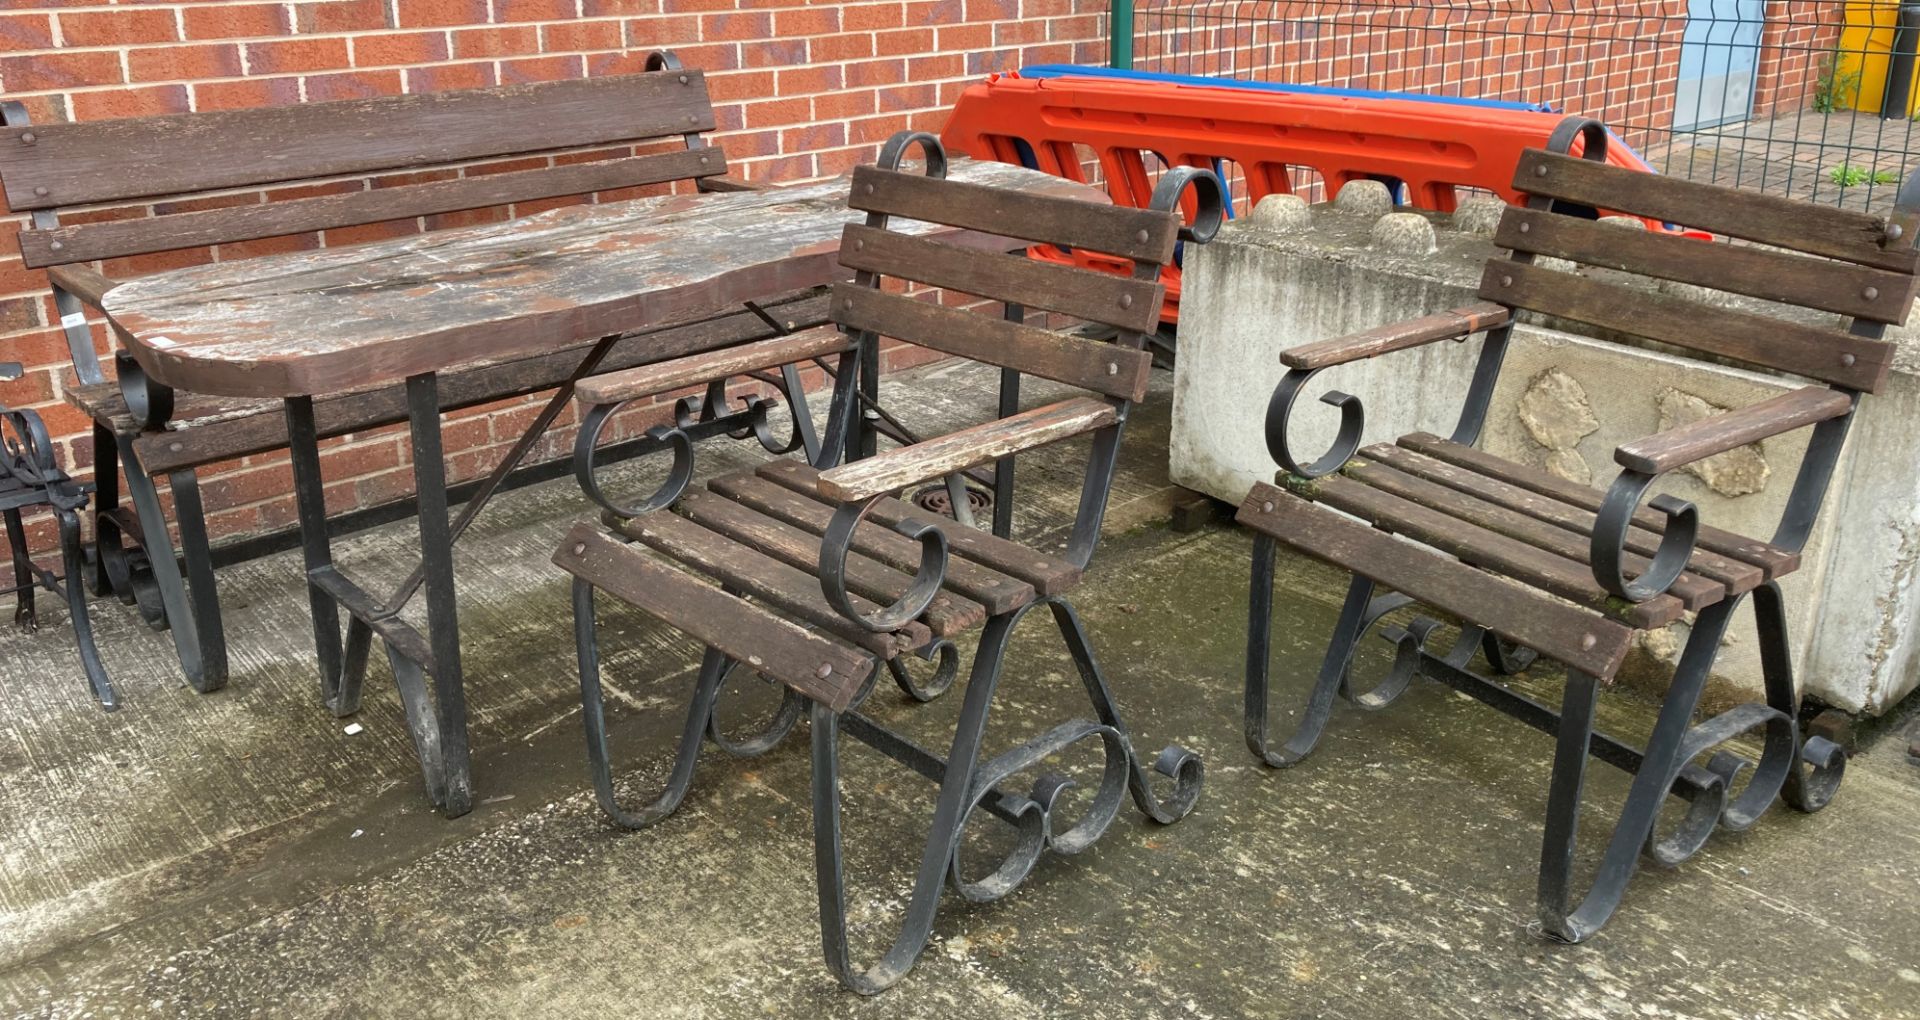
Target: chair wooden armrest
[
  {"x": 971, "y": 447},
  {"x": 83, "y": 282},
  {"x": 1455, "y": 324},
  {"x": 1684, "y": 444}
]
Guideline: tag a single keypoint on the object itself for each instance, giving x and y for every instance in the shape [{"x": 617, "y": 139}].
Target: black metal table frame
[{"x": 439, "y": 727}]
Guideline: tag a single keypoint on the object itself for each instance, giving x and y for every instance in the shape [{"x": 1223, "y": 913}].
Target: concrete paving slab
[{"x": 239, "y": 855}]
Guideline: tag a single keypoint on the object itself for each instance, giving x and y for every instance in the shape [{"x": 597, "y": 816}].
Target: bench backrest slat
[
  {"x": 1878, "y": 294},
  {"x": 1130, "y": 305},
  {"x": 1118, "y": 301},
  {"x": 85, "y": 242},
  {"x": 54, "y": 165},
  {"x": 1118, "y": 230},
  {"x": 1107, "y": 369},
  {"x": 1830, "y": 355},
  {"x": 1818, "y": 261},
  {"x": 1768, "y": 219}
]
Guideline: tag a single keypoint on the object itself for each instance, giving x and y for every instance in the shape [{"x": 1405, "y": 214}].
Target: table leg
[
  {"x": 439, "y": 728},
  {"x": 443, "y": 621}
]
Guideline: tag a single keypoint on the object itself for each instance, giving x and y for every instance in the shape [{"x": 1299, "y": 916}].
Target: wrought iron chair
[
  {"x": 1531, "y": 563},
  {"x": 30, "y": 477},
  {"x": 822, "y": 575}
]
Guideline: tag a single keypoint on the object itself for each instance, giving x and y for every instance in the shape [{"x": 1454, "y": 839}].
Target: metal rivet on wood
[
  {"x": 579, "y": 548},
  {"x": 1894, "y": 231},
  {"x": 825, "y": 670},
  {"x": 1587, "y": 641},
  {"x": 1540, "y": 171},
  {"x": 41, "y": 191},
  {"x": 1126, "y": 300},
  {"x": 28, "y": 137},
  {"x": 1506, "y": 281},
  {"x": 684, "y": 79},
  {"x": 1526, "y": 228},
  {"x": 55, "y": 245},
  {"x": 1113, "y": 368},
  {"x": 1140, "y": 236},
  {"x": 1267, "y": 507},
  {"x": 1870, "y": 293},
  {"x": 1847, "y": 360}
]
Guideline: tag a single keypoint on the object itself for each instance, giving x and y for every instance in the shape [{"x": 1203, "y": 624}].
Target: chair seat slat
[{"x": 1578, "y": 637}]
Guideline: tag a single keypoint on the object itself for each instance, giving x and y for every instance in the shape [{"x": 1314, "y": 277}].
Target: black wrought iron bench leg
[
  {"x": 24, "y": 580},
  {"x": 191, "y": 600}
]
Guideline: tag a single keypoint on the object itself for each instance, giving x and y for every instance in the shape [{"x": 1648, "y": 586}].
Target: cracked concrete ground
[{"x": 239, "y": 854}]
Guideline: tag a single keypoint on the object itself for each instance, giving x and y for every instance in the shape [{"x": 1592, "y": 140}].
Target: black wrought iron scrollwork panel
[{"x": 31, "y": 478}]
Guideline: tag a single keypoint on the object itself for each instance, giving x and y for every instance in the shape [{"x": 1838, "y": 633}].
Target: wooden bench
[
  {"x": 814, "y": 575},
  {"x": 329, "y": 166},
  {"x": 1525, "y": 563}
]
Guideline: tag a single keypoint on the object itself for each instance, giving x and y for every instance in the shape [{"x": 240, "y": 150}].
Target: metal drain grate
[{"x": 934, "y": 499}]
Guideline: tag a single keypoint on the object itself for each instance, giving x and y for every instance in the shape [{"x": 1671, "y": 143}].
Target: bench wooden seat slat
[
  {"x": 1748, "y": 215},
  {"x": 998, "y": 592},
  {"x": 1113, "y": 229},
  {"x": 144, "y": 157},
  {"x": 1840, "y": 287},
  {"x": 1773, "y": 561},
  {"x": 679, "y": 373},
  {"x": 116, "y": 238},
  {"x": 1107, "y": 369},
  {"x": 1047, "y": 574},
  {"x": 1579, "y": 637},
  {"x": 1825, "y": 354},
  {"x": 1118, "y": 301},
  {"x": 1693, "y": 590},
  {"x": 817, "y": 666},
  {"x": 754, "y": 573},
  {"x": 948, "y": 614},
  {"x": 1735, "y": 575},
  {"x": 1477, "y": 546}
]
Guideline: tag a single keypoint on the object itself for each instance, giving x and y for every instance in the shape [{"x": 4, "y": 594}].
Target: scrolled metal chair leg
[
  {"x": 1665, "y": 758},
  {"x": 593, "y": 716},
  {"x": 1333, "y": 668}
]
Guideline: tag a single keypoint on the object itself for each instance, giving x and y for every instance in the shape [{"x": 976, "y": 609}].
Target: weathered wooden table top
[{"x": 337, "y": 320}]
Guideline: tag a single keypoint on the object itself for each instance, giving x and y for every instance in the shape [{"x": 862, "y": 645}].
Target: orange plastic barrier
[{"x": 1433, "y": 148}]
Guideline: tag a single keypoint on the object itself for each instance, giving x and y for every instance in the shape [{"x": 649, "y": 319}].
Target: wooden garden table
[{"x": 310, "y": 324}]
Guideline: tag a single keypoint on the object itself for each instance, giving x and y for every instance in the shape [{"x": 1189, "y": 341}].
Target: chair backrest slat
[
  {"x": 1123, "y": 302},
  {"x": 1877, "y": 294},
  {"x": 86, "y": 242},
  {"x": 1830, "y": 355},
  {"x": 1114, "y": 230},
  {"x": 1104, "y": 368},
  {"x": 54, "y": 165},
  {"x": 1768, "y": 219}
]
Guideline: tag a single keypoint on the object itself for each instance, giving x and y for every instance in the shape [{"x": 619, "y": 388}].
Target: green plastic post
[{"x": 1120, "y": 35}]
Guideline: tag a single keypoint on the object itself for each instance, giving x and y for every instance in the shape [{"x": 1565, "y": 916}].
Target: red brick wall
[{"x": 802, "y": 90}]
